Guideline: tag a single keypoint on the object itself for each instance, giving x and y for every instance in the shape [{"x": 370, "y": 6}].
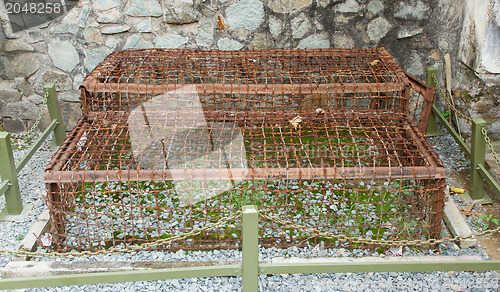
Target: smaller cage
[{"x": 172, "y": 140}]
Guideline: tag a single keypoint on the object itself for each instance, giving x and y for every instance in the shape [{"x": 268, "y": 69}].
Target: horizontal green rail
[
  {"x": 236, "y": 270},
  {"x": 122, "y": 276},
  {"x": 4, "y": 186},
  {"x": 377, "y": 267},
  {"x": 35, "y": 146},
  {"x": 452, "y": 131}
]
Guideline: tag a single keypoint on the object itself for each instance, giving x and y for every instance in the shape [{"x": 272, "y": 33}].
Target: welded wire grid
[{"x": 171, "y": 140}]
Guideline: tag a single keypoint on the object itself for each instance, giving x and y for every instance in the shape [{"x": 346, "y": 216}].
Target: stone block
[
  {"x": 70, "y": 112},
  {"x": 5, "y": 68},
  {"x": 114, "y": 29},
  {"x": 62, "y": 81},
  {"x": 229, "y": 44},
  {"x": 92, "y": 35},
  {"x": 315, "y": 41},
  {"x": 205, "y": 36},
  {"x": 36, "y": 99},
  {"x": 105, "y": 4},
  {"x": 136, "y": 41},
  {"x": 350, "y": 6},
  {"x": 69, "y": 96},
  {"x": 407, "y": 32},
  {"x": 63, "y": 54},
  {"x": 181, "y": 15},
  {"x": 144, "y": 8},
  {"x": 378, "y": 28},
  {"x": 8, "y": 93},
  {"x": 343, "y": 41},
  {"x": 24, "y": 110},
  {"x": 17, "y": 45},
  {"x": 300, "y": 26},
  {"x": 411, "y": 10},
  {"x": 109, "y": 16},
  {"x": 95, "y": 56},
  {"x": 26, "y": 64},
  {"x": 170, "y": 41},
  {"x": 287, "y": 6},
  {"x": 260, "y": 41},
  {"x": 275, "y": 26},
  {"x": 245, "y": 14},
  {"x": 13, "y": 125},
  {"x": 23, "y": 86},
  {"x": 375, "y": 6}
]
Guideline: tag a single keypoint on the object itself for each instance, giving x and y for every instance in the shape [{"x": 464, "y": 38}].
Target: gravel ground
[{"x": 33, "y": 191}]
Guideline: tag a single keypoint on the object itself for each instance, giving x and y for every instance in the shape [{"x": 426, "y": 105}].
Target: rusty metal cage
[{"x": 171, "y": 140}]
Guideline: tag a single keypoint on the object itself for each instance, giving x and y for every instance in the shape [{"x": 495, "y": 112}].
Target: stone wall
[{"x": 417, "y": 33}]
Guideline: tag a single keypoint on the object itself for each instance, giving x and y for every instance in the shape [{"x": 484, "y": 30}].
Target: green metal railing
[
  {"x": 250, "y": 268},
  {"x": 476, "y": 153},
  {"x": 9, "y": 170}
]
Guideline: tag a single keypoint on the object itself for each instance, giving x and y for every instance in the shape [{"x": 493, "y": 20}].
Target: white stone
[
  {"x": 300, "y": 26},
  {"x": 245, "y": 14},
  {"x": 350, "y": 6},
  {"x": 323, "y": 3},
  {"x": 375, "y": 6},
  {"x": 414, "y": 66},
  {"x": 109, "y": 16},
  {"x": 181, "y": 15},
  {"x": 343, "y": 41},
  {"x": 92, "y": 35},
  {"x": 95, "y": 56},
  {"x": 287, "y": 6},
  {"x": 315, "y": 41},
  {"x": 113, "y": 29},
  {"x": 170, "y": 41},
  {"x": 82, "y": 20},
  {"x": 64, "y": 55},
  {"x": 275, "y": 26},
  {"x": 144, "y": 8},
  {"x": 144, "y": 26},
  {"x": 414, "y": 10},
  {"x": 105, "y": 4},
  {"x": 64, "y": 27},
  {"x": 21, "y": 110},
  {"x": 26, "y": 64},
  {"x": 136, "y": 41},
  {"x": 406, "y": 32},
  {"x": 77, "y": 81},
  {"x": 229, "y": 44},
  {"x": 69, "y": 96},
  {"x": 205, "y": 36},
  {"x": 17, "y": 45},
  {"x": 378, "y": 28}
]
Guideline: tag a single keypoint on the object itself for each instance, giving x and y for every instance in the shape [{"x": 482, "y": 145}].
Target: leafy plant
[
  {"x": 447, "y": 115},
  {"x": 488, "y": 219}
]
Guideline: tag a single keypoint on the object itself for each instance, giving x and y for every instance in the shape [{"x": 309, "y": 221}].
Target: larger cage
[{"x": 172, "y": 140}]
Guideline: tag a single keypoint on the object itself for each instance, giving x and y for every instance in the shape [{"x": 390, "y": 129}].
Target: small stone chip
[
  {"x": 296, "y": 121},
  {"x": 375, "y": 62}
]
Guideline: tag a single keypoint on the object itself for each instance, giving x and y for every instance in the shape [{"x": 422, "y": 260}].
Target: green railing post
[
  {"x": 478, "y": 151},
  {"x": 8, "y": 172},
  {"x": 250, "y": 249},
  {"x": 432, "y": 129},
  {"x": 55, "y": 114}
]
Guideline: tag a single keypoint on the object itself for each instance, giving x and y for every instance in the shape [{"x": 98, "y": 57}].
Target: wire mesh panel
[{"x": 172, "y": 140}]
